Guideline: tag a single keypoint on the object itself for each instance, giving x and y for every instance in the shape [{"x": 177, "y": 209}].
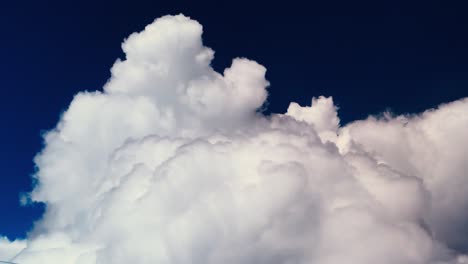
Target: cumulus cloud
[{"x": 172, "y": 163}]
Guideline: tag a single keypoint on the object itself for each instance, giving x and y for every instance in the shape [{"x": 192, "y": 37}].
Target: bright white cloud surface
[{"x": 172, "y": 163}]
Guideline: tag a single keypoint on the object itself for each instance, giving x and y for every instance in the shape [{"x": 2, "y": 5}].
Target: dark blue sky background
[{"x": 370, "y": 56}]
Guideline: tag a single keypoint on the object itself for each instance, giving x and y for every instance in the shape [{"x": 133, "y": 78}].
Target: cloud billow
[{"x": 172, "y": 163}]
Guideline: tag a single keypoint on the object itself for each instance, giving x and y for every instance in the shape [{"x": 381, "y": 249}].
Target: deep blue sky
[{"x": 370, "y": 57}]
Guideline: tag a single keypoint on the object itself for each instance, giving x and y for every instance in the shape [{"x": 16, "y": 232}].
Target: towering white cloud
[{"x": 172, "y": 163}]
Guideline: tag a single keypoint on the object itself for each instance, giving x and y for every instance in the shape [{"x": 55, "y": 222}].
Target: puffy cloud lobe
[
  {"x": 168, "y": 64},
  {"x": 431, "y": 147},
  {"x": 322, "y": 115},
  {"x": 171, "y": 163}
]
